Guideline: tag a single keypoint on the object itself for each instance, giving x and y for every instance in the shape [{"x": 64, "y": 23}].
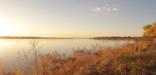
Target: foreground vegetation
[{"x": 138, "y": 58}]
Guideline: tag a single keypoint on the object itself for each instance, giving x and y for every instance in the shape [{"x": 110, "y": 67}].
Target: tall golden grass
[{"x": 138, "y": 58}]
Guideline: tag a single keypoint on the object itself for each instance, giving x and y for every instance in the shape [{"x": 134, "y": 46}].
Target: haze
[{"x": 75, "y": 17}]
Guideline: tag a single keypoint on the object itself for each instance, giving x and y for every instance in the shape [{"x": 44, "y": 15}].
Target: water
[{"x": 11, "y": 49}]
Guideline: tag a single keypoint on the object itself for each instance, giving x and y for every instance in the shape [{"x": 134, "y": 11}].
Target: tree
[{"x": 150, "y": 30}]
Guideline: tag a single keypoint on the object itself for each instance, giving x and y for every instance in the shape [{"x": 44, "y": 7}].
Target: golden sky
[{"x": 75, "y": 17}]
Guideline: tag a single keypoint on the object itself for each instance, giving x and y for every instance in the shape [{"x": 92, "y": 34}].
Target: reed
[{"x": 138, "y": 58}]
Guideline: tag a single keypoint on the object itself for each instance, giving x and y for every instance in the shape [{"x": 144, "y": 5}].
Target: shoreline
[{"x": 95, "y": 38}]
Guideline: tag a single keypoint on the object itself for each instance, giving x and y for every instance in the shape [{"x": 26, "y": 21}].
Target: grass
[{"x": 138, "y": 58}]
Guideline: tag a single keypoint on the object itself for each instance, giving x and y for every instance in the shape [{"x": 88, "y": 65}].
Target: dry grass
[{"x": 132, "y": 59}]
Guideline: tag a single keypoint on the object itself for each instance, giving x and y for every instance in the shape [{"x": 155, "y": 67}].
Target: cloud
[
  {"x": 105, "y": 8},
  {"x": 97, "y": 9}
]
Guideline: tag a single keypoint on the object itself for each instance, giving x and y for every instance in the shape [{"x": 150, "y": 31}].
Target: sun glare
[{"x": 6, "y": 27}]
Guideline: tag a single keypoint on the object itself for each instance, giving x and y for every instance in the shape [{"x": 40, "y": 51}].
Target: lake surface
[{"x": 11, "y": 50}]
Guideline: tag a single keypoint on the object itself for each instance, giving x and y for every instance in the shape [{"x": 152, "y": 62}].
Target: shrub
[{"x": 150, "y": 30}]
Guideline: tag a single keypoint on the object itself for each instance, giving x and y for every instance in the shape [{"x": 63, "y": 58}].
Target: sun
[{"x": 7, "y": 27}]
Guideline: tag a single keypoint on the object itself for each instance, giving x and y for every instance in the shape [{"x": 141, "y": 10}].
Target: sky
[{"x": 75, "y": 18}]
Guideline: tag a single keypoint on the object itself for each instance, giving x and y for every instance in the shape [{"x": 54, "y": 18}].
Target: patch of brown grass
[{"x": 132, "y": 59}]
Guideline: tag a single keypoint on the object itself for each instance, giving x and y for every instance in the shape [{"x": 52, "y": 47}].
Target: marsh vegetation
[{"x": 137, "y": 58}]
